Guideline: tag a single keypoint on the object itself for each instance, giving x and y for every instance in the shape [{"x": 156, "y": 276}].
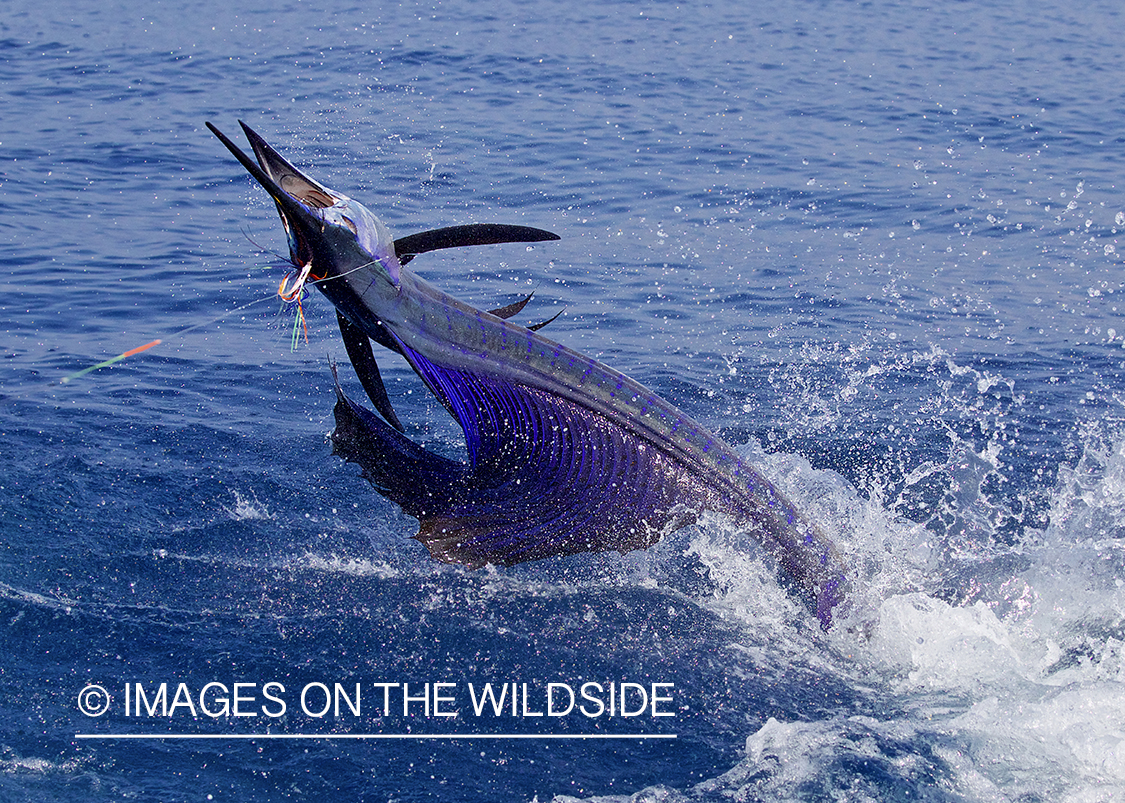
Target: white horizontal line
[{"x": 415, "y": 736}]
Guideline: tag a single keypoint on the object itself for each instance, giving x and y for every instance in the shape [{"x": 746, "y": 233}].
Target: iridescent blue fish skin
[{"x": 565, "y": 454}]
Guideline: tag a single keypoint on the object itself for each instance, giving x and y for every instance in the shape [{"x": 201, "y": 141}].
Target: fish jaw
[{"x": 337, "y": 235}]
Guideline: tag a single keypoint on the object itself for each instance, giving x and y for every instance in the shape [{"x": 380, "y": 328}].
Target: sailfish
[{"x": 564, "y": 454}]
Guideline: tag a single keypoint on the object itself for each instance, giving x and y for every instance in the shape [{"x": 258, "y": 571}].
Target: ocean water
[{"x": 875, "y": 245}]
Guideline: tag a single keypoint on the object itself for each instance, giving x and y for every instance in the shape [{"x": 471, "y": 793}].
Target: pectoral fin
[
  {"x": 406, "y": 248},
  {"x": 358, "y": 345}
]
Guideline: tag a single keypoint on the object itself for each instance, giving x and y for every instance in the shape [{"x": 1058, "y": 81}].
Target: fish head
[{"x": 333, "y": 232}]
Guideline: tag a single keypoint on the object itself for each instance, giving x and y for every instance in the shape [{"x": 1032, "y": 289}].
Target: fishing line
[
  {"x": 133, "y": 351},
  {"x": 292, "y": 293},
  {"x": 111, "y": 361}
]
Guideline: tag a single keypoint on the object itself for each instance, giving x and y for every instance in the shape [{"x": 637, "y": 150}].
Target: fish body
[{"x": 565, "y": 454}]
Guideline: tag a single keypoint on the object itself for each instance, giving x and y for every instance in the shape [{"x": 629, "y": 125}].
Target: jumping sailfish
[{"x": 565, "y": 454}]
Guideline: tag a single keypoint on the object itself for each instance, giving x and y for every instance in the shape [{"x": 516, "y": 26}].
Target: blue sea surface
[{"x": 874, "y": 245}]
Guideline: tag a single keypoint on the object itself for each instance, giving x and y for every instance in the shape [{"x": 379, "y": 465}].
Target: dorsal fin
[
  {"x": 418, "y": 480},
  {"x": 549, "y": 477}
]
